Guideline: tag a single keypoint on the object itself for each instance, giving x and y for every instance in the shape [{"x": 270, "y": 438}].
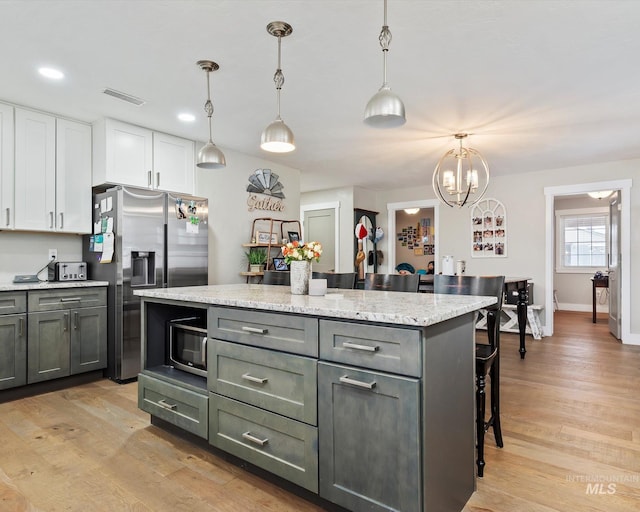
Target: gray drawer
[
  {"x": 13, "y": 302},
  {"x": 288, "y": 333},
  {"x": 280, "y": 445},
  {"x": 279, "y": 382},
  {"x": 379, "y": 348},
  {"x": 182, "y": 407},
  {"x": 67, "y": 298}
]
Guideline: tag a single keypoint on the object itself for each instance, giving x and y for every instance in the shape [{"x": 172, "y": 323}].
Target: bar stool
[
  {"x": 487, "y": 355},
  {"x": 346, "y": 280}
]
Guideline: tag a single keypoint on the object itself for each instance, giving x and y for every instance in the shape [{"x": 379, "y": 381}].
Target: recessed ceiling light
[
  {"x": 52, "y": 73},
  {"x": 187, "y": 118}
]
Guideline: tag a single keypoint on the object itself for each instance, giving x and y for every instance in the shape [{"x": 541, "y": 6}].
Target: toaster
[{"x": 67, "y": 271}]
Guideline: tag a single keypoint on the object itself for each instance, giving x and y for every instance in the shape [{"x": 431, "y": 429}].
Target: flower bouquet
[{"x": 299, "y": 257}]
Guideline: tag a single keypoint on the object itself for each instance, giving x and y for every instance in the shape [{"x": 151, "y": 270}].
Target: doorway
[
  {"x": 392, "y": 235},
  {"x": 624, "y": 189},
  {"x": 321, "y": 222}
]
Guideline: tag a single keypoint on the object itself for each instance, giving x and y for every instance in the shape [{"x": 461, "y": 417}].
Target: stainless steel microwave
[{"x": 188, "y": 345}]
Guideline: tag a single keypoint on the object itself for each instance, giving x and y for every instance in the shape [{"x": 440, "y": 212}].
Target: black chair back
[
  {"x": 486, "y": 286},
  {"x": 346, "y": 280},
  {"x": 279, "y": 277},
  {"x": 392, "y": 282}
]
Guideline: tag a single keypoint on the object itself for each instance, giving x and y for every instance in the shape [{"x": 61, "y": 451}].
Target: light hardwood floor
[{"x": 570, "y": 417}]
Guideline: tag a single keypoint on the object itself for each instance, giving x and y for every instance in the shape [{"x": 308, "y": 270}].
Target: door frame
[
  {"x": 335, "y": 206},
  {"x": 624, "y": 186},
  {"x": 392, "y": 208}
]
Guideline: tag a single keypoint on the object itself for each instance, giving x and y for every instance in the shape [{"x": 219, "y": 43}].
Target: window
[{"x": 582, "y": 238}]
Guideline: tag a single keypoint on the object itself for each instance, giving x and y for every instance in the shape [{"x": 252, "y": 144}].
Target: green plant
[{"x": 257, "y": 257}]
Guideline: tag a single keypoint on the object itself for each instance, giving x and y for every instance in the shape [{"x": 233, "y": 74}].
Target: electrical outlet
[{"x": 53, "y": 254}]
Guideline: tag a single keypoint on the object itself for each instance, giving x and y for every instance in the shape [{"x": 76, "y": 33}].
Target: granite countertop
[
  {"x": 416, "y": 309},
  {"x": 49, "y": 285}
]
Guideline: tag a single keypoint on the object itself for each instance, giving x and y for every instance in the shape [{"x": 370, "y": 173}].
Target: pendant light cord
[
  {"x": 278, "y": 77},
  {"x": 385, "y": 40},
  {"x": 208, "y": 107}
]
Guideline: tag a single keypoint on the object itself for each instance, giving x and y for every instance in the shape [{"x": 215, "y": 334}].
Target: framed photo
[
  {"x": 264, "y": 237},
  {"x": 280, "y": 264},
  {"x": 489, "y": 229},
  {"x": 294, "y": 236}
]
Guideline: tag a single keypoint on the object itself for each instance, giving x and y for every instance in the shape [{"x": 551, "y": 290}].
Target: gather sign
[{"x": 265, "y": 191}]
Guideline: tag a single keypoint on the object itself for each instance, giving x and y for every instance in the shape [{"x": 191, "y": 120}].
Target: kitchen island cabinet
[{"x": 365, "y": 398}]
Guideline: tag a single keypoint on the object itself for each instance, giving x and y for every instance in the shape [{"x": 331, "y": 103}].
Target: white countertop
[
  {"x": 49, "y": 285},
  {"x": 416, "y": 309}
]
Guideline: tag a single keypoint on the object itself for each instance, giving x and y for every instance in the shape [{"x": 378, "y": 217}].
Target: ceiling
[{"x": 537, "y": 84}]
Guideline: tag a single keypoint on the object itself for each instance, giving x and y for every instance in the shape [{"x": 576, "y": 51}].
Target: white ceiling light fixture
[
  {"x": 411, "y": 211},
  {"x": 385, "y": 109},
  {"x": 186, "y": 117},
  {"x": 53, "y": 74},
  {"x": 456, "y": 178},
  {"x": 602, "y": 194},
  {"x": 210, "y": 157},
  {"x": 278, "y": 137}
]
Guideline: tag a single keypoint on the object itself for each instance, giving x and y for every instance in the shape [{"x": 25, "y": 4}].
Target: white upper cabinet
[
  {"x": 35, "y": 171},
  {"x": 132, "y": 155},
  {"x": 173, "y": 163},
  {"x": 7, "y": 212},
  {"x": 52, "y": 180},
  {"x": 73, "y": 177}
]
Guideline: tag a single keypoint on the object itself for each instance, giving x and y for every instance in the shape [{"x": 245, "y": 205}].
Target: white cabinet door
[
  {"x": 35, "y": 171},
  {"x": 73, "y": 177},
  {"x": 173, "y": 163},
  {"x": 7, "y": 212},
  {"x": 128, "y": 154}
]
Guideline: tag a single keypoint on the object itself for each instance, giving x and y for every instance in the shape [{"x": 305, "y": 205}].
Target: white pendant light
[
  {"x": 210, "y": 157},
  {"x": 278, "y": 137},
  {"x": 457, "y": 179},
  {"x": 385, "y": 109},
  {"x": 411, "y": 211}
]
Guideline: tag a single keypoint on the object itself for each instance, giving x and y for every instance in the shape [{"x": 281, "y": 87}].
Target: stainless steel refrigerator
[{"x": 142, "y": 239}]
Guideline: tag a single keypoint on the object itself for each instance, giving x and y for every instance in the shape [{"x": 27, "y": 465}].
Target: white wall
[
  {"x": 26, "y": 253},
  {"x": 230, "y": 220}
]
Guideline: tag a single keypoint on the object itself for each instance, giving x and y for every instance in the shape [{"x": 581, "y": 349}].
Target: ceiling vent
[{"x": 124, "y": 96}]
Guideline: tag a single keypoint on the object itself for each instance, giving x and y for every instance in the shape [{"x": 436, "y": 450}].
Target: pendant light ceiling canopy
[
  {"x": 278, "y": 137},
  {"x": 457, "y": 179},
  {"x": 210, "y": 157},
  {"x": 385, "y": 109}
]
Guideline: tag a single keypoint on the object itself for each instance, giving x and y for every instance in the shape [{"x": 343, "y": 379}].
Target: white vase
[{"x": 300, "y": 273}]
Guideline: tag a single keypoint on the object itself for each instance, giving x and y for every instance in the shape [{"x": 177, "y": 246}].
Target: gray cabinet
[
  {"x": 263, "y": 400},
  {"x": 67, "y": 332},
  {"x": 369, "y": 439},
  {"x": 13, "y": 339}
]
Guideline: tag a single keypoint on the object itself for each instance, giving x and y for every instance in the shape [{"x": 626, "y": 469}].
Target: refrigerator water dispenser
[{"x": 143, "y": 266}]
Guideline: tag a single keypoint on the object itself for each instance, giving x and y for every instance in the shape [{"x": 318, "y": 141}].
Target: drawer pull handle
[
  {"x": 348, "y": 380},
  {"x": 166, "y": 405},
  {"x": 257, "y": 380},
  {"x": 254, "y": 439},
  {"x": 257, "y": 330},
  {"x": 70, "y": 299},
  {"x": 355, "y": 346}
]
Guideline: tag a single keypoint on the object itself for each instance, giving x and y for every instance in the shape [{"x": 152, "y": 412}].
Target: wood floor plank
[{"x": 570, "y": 420}]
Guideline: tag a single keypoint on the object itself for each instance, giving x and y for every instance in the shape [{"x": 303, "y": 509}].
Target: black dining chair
[
  {"x": 392, "y": 282},
  {"x": 487, "y": 354},
  {"x": 346, "y": 280},
  {"x": 280, "y": 277}
]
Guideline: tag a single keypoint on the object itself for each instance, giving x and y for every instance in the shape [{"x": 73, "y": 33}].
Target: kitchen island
[{"x": 365, "y": 398}]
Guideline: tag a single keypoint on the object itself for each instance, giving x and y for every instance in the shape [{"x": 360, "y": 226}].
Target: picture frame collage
[
  {"x": 488, "y": 229},
  {"x": 419, "y": 238}
]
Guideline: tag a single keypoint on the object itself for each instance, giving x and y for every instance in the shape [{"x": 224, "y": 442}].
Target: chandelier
[{"x": 457, "y": 179}]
